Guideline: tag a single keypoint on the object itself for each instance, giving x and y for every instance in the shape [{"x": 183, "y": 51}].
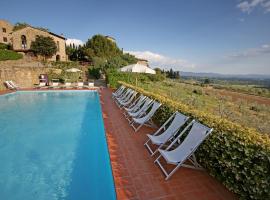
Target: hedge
[
  {"x": 237, "y": 156},
  {"x": 9, "y": 55},
  {"x": 113, "y": 76}
]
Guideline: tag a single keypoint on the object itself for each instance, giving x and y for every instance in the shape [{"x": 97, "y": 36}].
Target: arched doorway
[
  {"x": 57, "y": 57},
  {"x": 24, "y": 42}
]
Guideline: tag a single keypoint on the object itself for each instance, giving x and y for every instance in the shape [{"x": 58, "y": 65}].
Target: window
[
  {"x": 4, "y": 30},
  {"x": 4, "y": 39}
]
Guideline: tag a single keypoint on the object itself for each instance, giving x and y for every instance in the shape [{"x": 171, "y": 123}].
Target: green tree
[
  {"x": 44, "y": 46},
  {"x": 103, "y": 47},
  {"x": 20, "y": 25},
  {"x": 94, "y": 72},
  {"x": 130, "y": 59},
  {"x": 206, "y": 81}
]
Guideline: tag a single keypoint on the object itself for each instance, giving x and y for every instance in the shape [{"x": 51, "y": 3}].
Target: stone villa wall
[
  {"x": 25, "y": 75},
  {"x": 7, "y": 35},
  {"x": 30, "y": 34}
]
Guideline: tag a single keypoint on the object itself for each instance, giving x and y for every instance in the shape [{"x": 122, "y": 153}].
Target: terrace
[{"x": 134, "y": 171}]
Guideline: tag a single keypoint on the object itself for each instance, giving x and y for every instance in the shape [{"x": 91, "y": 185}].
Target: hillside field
[{"x": 248, "y": 110}]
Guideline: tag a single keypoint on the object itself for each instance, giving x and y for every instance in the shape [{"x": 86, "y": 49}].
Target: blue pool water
[{"x": 53, "y": 146}]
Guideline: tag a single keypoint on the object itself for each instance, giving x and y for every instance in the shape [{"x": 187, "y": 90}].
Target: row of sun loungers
[
  {"x": 55, "y": 85},
  {"x": 175, "y": 141},
  {"x": 67, "y": 85}
]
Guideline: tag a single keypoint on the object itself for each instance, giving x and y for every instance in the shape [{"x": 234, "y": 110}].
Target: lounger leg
[
  {"x": 161, "y": 167},
  {"x": 168, "y": 175},
  {"x": 134, "y": 127},
  {"x": 148, "y": 147},
  {"x": 173, "y": 171},
  {"x": 152, "y": 153}
]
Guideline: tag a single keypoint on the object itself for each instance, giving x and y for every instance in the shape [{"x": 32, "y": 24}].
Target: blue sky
[{"x": 224, "y": 36}]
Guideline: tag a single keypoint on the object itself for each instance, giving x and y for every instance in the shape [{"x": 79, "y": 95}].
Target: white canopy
[
  {"x": 138, "y": 68},
  {"x": 73, "y": 70}
]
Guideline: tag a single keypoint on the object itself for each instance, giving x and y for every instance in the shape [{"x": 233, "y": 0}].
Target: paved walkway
[{"x": 135, "y": 174}]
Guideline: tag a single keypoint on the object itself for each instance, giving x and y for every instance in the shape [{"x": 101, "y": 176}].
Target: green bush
[
  {"x": 113, "y": 76},
  {"x": 9, "y": 55},
  {"x": 237, "y": 156},
  {"x": 94, "y": 72},
  {"x": 4, "y": 46}
]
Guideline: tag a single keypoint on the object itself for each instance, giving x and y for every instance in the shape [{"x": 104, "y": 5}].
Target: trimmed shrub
[
  {"x": 237, "y": 156},
  {"x": 9, "y": 55},
  {"x": 4, "y": 46},
  {"x": 113, "y": 76}
]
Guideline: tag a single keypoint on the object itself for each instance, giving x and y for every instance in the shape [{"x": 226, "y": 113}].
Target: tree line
[{"x": 168, "y": 73}]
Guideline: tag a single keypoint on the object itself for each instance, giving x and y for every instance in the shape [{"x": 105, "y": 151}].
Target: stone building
[
  {"x": 5, "y": 32},
  {"x": 21, "y": 39}
]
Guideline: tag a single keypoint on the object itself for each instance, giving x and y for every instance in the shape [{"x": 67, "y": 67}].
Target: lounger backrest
[
  {"x": 178, "y": 121},
  {"x": 132, "y": 96},
  {"x": 137, "y": 103},
  {"x": 144, "y": 107},
  {"x": 13, "y": 84},
  {"x": 55, "y": 83},
  {"x": 9, "y": 85},
  {"x": 124, "y": 94},
  {"x": 80, "y": 84},
  {"x": 119, "y": 90},
  {"x": 68, "y": 84},
  {"x": 154, "y": 108},
  {"x": 42, "y": 84},
  {"x": 128, "y": 96},
  {"x": 195, "y": 137},
  {"x": 140, "y": 101}
]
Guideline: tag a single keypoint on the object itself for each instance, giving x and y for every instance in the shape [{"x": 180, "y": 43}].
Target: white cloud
[
  {"x": 252, "y": 52},
  {"x": 76, "y": 42},
  {"x": 249, "y": 5},
  {"x": 158, "y": 60}
]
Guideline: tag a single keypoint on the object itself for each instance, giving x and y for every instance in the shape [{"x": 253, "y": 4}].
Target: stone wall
[{"x": 24, "y": 76}]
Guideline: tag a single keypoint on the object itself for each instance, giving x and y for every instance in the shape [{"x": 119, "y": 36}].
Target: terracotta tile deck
[{"x": 135, "y": 174}]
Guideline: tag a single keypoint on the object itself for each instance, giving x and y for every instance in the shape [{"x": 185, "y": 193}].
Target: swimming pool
[{"x": 53, "y": 146}]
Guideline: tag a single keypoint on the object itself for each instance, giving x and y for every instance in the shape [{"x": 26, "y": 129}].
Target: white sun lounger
[
  {"x": 14, "y": 85},
  {"x": 9, "y": 85},
  {"x": 185, "y": 151},
  {"x": 55, "y": 84},
  {"x": 67, "y": 85},
  {"x": 41, "y": 85},
  {"x": 124, "y": 96},
  {"x": 141, "y": 111},
  {"x": 119, "y": 91},
  {"x": 79, "y": 85},
  {"x": 146, "y": 119},
  {"x": 135, "y": 105},
  {"x": 165, "y": 133},
  {"x": 127, "y": 100}
]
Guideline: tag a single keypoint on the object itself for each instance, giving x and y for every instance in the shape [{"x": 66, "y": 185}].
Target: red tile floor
[{"x": 135, "y": 174}]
